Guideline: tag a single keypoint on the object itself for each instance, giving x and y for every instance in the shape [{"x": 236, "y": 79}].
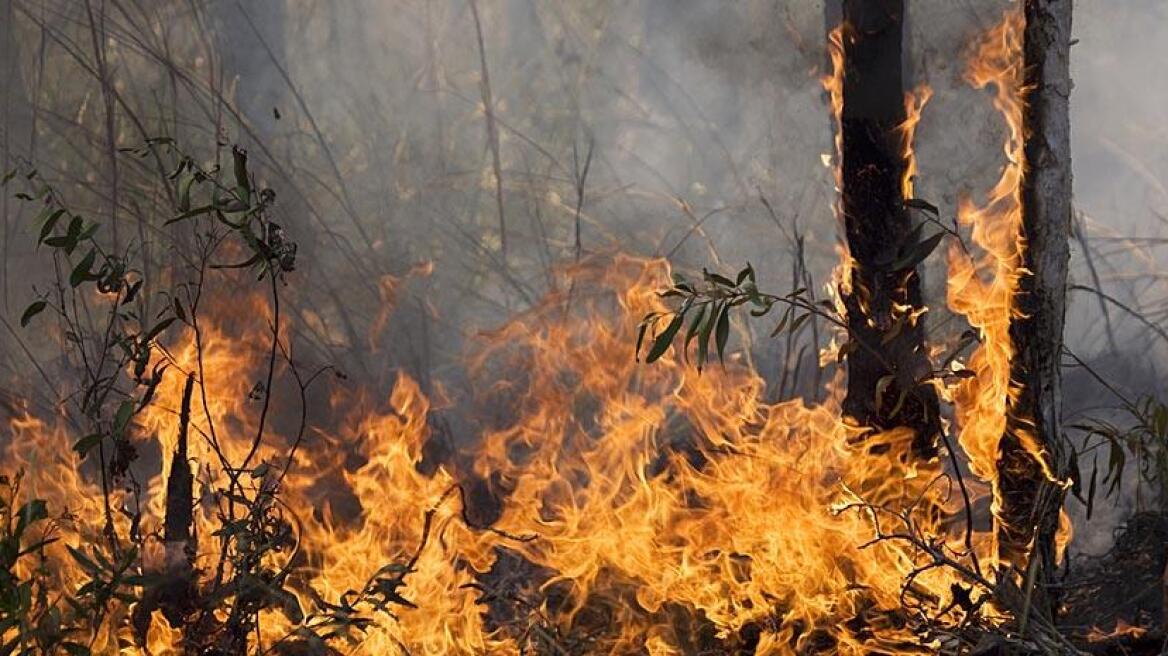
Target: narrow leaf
[
  {"x": 661, "y": 342},
  {"x": 86, "y": 444},
  {"x": 704, "y": 336},
  {"x": 81, "y": 272},
  {"x": 34, "y": 308},
  {"x": 722, "y": 332},
  {"x": 692, "y": 331},
  {"x": 918, "y": 252},
  {"x": 49, "y": 224}
]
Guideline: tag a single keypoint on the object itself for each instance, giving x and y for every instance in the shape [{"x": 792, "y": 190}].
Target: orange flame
[
  {"x": 646, "y": 489},
  {"x": 983, "y": 288}
]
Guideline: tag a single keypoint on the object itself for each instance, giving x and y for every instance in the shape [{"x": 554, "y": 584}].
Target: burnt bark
[
  {"x": 177, "y": 527},
  {"x": 885, "y": 373},
  {"x": 1031, "y": 500},
  {"x": 174, "y": 593}
]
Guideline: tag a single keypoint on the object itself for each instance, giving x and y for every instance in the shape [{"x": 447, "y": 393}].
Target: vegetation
[{"x": 332, "y": 332}]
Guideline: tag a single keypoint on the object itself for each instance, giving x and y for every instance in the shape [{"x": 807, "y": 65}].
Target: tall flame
[
  {"x": 983, "y": 288},
  {"x": 647, "y": 490}
]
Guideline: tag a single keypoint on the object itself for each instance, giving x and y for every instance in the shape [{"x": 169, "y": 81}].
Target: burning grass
[{"x": 219, "y": 490}]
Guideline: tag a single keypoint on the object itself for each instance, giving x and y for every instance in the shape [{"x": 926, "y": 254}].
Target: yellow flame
[{"x": 647, "y": 489}]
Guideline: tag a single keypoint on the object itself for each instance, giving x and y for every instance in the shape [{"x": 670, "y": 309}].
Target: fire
[
  {"x": 620, "y": 496},
  {"x": 833, "y": 85},
  {"x": 638, "y": 490},
  {"x": 914, "y": 109},
  {"x": 982, "y": 288},
  {"x": 654, "y": 505},
  {"x": 1122, "y": 629}
]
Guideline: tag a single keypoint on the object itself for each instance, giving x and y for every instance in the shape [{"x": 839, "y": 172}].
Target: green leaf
[
  {"x": 662, "y": 341},
  {"x": 917, "y": 253},
  {"x": 85, "y": 444},
  {"x": 1075, "y": 473},
  {"x": 81, "y": 272},
  {"x": 178, "y": 170},
  {"x": 122, "y": 418},
  {"x": 900, "y": 399},
  {"x": 704, "y": 336},
  {"x": 1115, "y": 466},
  {"x": 748, "y": 272},
  {"x": 718, "y": 279},
  {"x": 132, "y": 292},
  {"x": 34, "y": 308},
  {"x": 157, "y": 329},
  {"x": 1091, "y": 487},
  {"x": 37, "y": 546},
  {"x": 184, "y": 192},
  {"x": 66, "y": 242},
  {"x": 49, "y": 224},
  {"x": 798, "y": 323},
  {"x": 783, "y": 321},
  {"x": 88, "y": 231},
  {"x": 722, "y": 332},
  {"x": 692, "y": 330},
  {"x": 881, "y": 388}
]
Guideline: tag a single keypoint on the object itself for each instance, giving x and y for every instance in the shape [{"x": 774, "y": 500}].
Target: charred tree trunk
[
  {"x": 1031, "y": 500},
  {"x": 177, "y": 528},
  {"x": 884, "y": 373},
  {"x": 174, "y": 592}
]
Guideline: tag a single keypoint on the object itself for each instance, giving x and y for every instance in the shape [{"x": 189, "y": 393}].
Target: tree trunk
[
  {"x": 886, "y": 367},
  {"x": 1032, "y": 451}
]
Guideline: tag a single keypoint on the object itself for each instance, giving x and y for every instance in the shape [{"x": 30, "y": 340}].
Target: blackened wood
[
  {"x": 177, "y": 527},
  {"x": 877, "y": 226},
  {"x": 1030, "y": 501}
]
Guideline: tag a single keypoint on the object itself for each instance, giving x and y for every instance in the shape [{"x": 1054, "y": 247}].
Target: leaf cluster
[{"x": 704, "y": 306}]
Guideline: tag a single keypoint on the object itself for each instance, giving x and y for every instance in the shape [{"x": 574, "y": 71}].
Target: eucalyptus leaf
[
  {"x": 662, "y": 341},
  {"x": 80, "y": 272},
  {"x": 722, "y": 332},
  {"x": 34, "y": 308}
]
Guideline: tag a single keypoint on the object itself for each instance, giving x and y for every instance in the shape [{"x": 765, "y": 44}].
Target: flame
[
  {"x": 1122, "y": 630},
  {"x": 638, "y": 494},
  {"x": 983, "y": 287},
  {"x": 648, "y": 489},
  {"x": 914, "y": 109},
  {"x": 841, "y": 276},
  {"x": 701, "y": 525}
]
